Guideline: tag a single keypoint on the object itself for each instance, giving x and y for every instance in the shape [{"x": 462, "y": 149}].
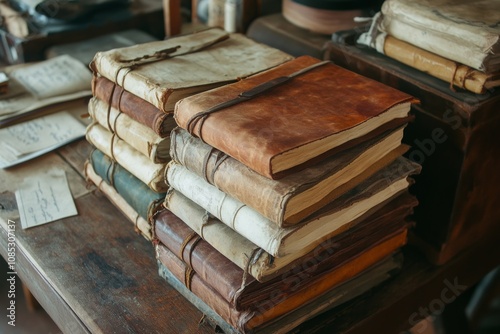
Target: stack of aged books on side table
[
  {"x": 287, "y": 189},
  {"x": 446, "y": 55}
]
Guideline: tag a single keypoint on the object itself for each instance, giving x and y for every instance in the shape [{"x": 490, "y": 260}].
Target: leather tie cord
[{"x": 199, "y": 118}]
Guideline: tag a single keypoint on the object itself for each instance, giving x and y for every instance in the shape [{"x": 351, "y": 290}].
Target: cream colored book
[
  {"x": 463, "y": 31},
  {"x": 289, "y": 200},
  {"x": 137, "y": 135},
  {"x": 136, "y": 163},
  {"x": 162, "y": 72},
  {"x": 279, "y": 241}
]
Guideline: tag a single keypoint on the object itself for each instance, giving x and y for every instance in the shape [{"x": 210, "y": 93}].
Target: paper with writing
[
  {"x": 30, "y": 139},
  {"x": 54, "y": 77},
  {"x": 44, "y": 198}
]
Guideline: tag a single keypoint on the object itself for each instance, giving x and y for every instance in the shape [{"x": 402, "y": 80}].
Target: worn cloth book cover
[
  {"x": 463, "y": 31},
  {"x": 289, "y": 200},
  {"x": 242, "y": 290},
  {"x": 137, "y": 135},
  {"x": 124, "y": 201},
  {"x": 276, "y": 306},
  {"x": 150, "y": 173},
  {"x": 162, "y": 72},
  {"x": 293, "y": 115},
  {"x": 133, "y": 106},
  {"x": 358, "y": 285},
  {"x": 331, "y": 220}
]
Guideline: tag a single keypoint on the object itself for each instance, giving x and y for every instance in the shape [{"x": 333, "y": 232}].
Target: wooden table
[{"x": 93, "y": 274}]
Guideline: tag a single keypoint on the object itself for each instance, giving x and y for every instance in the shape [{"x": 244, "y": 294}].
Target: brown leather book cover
[
  {"x": 242, "y": 290},
  {"x": 292, "y": 115},
  {"x": 276, "y": 306},
  {"x": 133, "y": 106}
]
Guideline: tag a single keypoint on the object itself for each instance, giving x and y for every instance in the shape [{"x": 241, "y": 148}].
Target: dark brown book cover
[
  {"x": 243, "y": 291},
  {"x": 293, "y": 114}
]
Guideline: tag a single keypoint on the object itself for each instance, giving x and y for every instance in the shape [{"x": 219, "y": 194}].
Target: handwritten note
[
  {"x": 35, "y": 137},
  {"x": 45, "y": 198},
  {"x": 53, "y": 77}
]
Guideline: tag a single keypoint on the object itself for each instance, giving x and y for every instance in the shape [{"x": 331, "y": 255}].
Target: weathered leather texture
[
  {"x": 332, "y": 219},
  {"x": 133, "y": 161},
  {"x": 270, "y": 309},
  {"x": 227, "y": 278},
  {"x": 270, "y": 197},
  {"x": 135, "y": 107},
  {"x": 321, "y": 103},
  {"x": 455, "y": 137},
  {"x": 140, "y": 137}
]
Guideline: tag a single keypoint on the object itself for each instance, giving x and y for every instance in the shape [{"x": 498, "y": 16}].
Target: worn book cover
[
  {"x": 129, "y": 104},
  {"x": 254, "y": 320},
  {"x": 228, "y": 249},
  {"x": 150, "y": 173},
  {"x": 289, "y": 200},
  {"x": 463, "y": 31},
  {"x": 136, "y": 208},
  {"x": 293, "y": 115},
  {"x": 162, "y": 72},
  {"x": 331, "y": 220},
  {"x": 140, "y": 137}
]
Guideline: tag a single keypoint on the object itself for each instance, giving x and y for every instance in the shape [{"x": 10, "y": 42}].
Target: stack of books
[
  {"x": 288, "y": 194},
  {"x": 134, "y": 90},
  {"x": 455, "y": 42}
]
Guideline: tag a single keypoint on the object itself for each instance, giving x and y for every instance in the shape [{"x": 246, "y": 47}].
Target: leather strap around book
[{"x": 199, "y": 118}]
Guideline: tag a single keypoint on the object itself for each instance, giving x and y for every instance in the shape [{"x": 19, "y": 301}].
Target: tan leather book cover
[
  {"x": 243, "y": 291},
  {"x": 291, "y": 199},
  {"x": 293, "y": 115}
]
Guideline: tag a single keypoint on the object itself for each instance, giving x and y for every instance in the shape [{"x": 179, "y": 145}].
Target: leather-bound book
[
  {"x": 162, "y": 72},
  {"x": 337, "y": 296},
  {"x": 130, "y": 195},
  {"x": 137, "y": 135},
  {"x": 129, "y": 104},
  {"x": 259, "y": 314},
  {"x": 293, "y": 115},
  {"x": 245, "y": 254},
  {"x": 336, "y": 217},
  {"x": 464, "y": 31},
  {"x": 289, "y": 200},
  {"x": 139, "y": 165},
  {"x": 242, "y": 290}
]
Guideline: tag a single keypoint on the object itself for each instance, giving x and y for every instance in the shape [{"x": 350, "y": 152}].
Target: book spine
[
  {"x": 190, "y": 285},
  {"x": 434, "y": 42},
  {"x": 141, "y": 225},
  {"x": 229, "y": 243},
  {"x": 241, "y": 218},
  {"x": 134, "y": 191},
  {"x": 129, "y": 104},
  {"x": 140, "y": 137},
  {"x": 136, "y": 163}
]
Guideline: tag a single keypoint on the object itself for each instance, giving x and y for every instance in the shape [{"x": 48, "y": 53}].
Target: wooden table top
[{"x": 93, "y": 273}]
